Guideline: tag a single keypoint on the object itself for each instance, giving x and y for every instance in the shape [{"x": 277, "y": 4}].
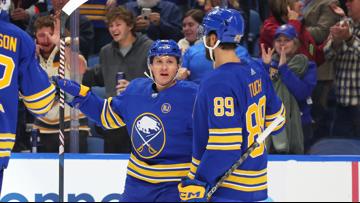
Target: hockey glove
[
  {"x": 193, "y": 191},
  {"x": 71, "y": 88}
]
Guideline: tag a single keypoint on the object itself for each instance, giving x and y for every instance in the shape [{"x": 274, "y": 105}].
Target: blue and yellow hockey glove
[
  {"x": 193, "y": 191},
  {"x": 71, "y": 88}
]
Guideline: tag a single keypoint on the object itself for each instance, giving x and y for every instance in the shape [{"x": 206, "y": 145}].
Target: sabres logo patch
[{"x": 148, "y": 135}]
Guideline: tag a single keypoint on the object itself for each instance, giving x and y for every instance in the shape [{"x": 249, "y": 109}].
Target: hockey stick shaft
[
  {"x": 61, "y": 73},
  {"x": 253, "y": 146},
  {"x": 66, "y": 11}
]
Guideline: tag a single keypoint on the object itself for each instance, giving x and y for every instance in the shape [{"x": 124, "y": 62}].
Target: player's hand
[
  {"x": 266, "y": 55},
  {"x": 121, "y": 86},
  {"x": 70, "y": 87},
  {"x": 183, "y": 74},
  {"x": 193, "y": 191}
]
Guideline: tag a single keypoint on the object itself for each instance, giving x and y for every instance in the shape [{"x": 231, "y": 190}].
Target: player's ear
[{"x": 212, "y": 39}]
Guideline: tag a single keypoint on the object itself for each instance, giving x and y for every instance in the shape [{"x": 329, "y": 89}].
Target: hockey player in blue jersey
[
  {"x": 158, "y": 116},
  {"x": 19, "y": 72},
  {"x": 234, "y": 105}
]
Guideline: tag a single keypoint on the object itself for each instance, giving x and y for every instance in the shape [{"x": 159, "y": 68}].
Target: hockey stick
[
  {"x": 66, "y": 11},
  {"x": 253, "y": 146}
]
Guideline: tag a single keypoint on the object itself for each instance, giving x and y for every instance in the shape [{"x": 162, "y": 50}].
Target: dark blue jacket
[{"x": 170, "y": 20}]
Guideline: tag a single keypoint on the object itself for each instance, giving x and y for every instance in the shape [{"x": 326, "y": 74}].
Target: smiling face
[
  {"x": 119, "y": 30},
  {"x": 190, "y": 27},
  {"x": 164, "y": 70}
]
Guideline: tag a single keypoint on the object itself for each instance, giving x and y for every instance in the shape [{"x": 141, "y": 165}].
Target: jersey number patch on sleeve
[
  {"x": 255, "y": 118},
  {"x": 9, "y": 65},
  {"x": 223, "y": 106}
]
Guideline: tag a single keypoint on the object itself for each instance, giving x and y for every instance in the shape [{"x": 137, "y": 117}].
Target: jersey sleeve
[
  {"x": 274, "y": 107},
  {"x": 38, "y": 93},
  {"x": 217, "y": 148},
  {"x": 105, "y": 112}
]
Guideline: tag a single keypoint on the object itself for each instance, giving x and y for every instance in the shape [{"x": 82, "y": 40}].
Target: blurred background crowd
[{"x": 317, "y": 40}]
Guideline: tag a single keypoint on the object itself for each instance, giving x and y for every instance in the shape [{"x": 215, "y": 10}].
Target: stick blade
[{"x": 72, "y": 5}]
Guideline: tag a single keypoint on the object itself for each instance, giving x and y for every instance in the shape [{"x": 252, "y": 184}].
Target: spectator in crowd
[
  {"x": 344, "y": 48},
  {"x": 47, "y": 35},
  {"x": 318, "y": 18},
  {"x": 21, "y": 11},
  {"x": 287, "y": 12},
  {"x": 191, "y": 22},
  {"x": 126, "y": 53},
  {"x": 184, "y": 5},
  {"x": 158, "y": 19},
  {"x": 294, "y": 78},
  {"x": 196, "y": 66},
  {"x": 86, "y": 29},
  {"x": 95, "y": 11}
]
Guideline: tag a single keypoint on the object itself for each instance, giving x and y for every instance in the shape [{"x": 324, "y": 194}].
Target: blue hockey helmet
[
  {"x": 228, "y": 24},
  {"x": 164, "y": 48},
  {"x": 288, "y": 30}
]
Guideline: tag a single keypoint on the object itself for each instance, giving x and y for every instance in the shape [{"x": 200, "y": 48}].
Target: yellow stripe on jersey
[
  {"x": 226, "y": 131},
  {"x": 225, "y": 139},
  {"x": 195, "y": 161},
  {"x": 250, "y": 173},
  {"x": 7, "y": 136},
  {"x": 247, "y": 180},
  {"x": 160, "y": 166},
  {"x": 5, "y": 154},
  {"x": 223, "y": 147},
  {"x": 157, "y": 174},
  {"x": 273, "y": 116},
  {"x": 193, "y": 168},
  {"x": 7, "y": 145},
  {"x": 244, "y": 188},
  {"x": 2, "y": 109},
  {"x": 40, "y": 104},
  {"x": 42, "y": 111},
  {"x": 152, "y": 180},
  {"x": 103, "y": 116},
  {"x": 39, "y": 95},
  {"x": 117, "y": 117}
]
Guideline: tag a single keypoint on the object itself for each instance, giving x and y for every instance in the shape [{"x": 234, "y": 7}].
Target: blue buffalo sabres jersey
[
  {"x": 234, "y": 105},
  {"x": 21, "y": 74},
  {"x": 160, "y": 126}
]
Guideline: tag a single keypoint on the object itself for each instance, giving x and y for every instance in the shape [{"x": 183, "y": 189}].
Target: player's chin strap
[
  {"x": 211, "y": 49},
  {"x": 152, "y": 77}
]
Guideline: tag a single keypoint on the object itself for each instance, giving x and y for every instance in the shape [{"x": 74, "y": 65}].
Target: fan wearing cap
[
  {"x": 157, "y": 112},
  {"x": 294, "y": 78}
]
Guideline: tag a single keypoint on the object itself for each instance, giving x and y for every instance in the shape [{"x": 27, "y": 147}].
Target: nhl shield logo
[
  {"x": 148, "y": 135},
  {"x": 166, "y": 108}
]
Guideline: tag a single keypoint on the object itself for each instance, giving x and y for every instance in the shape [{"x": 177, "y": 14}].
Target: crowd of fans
[{"x": 310, "y": 48}]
